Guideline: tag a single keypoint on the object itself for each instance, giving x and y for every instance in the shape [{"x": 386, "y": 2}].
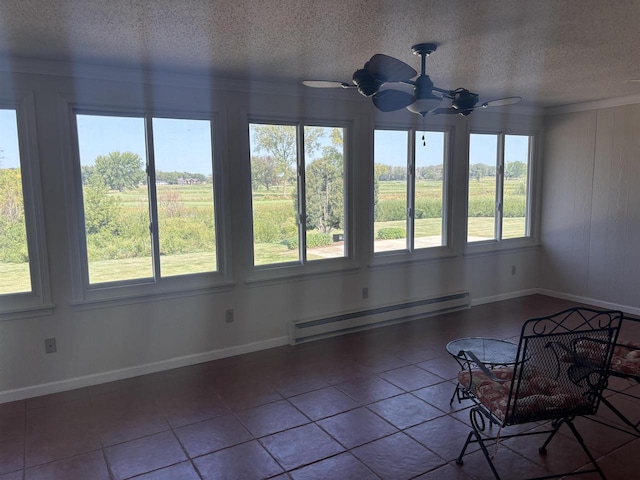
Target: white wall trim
[
  {"x": 113, "y": 375},
  {"x": 552, "y": 293},
  {"x": 590, "y": 301},
  {"x": 120, "y": 374},
  {"x": 594, "y": 105},
  {"x": 503, "y": 296}
]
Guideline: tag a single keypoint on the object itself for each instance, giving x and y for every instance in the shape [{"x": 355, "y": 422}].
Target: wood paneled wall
[{"x": 591, "y": 205}]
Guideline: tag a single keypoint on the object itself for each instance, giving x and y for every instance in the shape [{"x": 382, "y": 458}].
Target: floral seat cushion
[
  {"x": 537, "y": 392},
  {"x": 626, "y": 359}
]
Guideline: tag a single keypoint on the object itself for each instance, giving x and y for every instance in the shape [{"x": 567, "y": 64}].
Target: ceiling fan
[{"x": 378, "y": 76}]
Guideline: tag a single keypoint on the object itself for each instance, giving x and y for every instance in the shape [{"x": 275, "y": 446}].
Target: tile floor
[{"x": 363, "y": 406}]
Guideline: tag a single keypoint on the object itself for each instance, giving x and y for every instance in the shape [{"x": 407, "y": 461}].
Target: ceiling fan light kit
[{"x": 378, "y": 76}]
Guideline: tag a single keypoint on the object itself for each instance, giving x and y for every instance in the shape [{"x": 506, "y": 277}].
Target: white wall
[
  {"x": 591, "y": 206},
  {"x": 100, "y": 344}
]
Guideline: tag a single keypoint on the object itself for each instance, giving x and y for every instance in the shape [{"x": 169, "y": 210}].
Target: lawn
[{"x": 15, "y": 277}]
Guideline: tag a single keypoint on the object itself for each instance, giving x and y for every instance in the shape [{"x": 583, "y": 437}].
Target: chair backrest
[{"x": 562, "y": 364}]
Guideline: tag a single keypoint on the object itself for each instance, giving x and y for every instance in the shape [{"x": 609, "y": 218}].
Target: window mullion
[
  {"x": 153, "y": 199},
  {"x": 411, "y": 189},
  {"x": 301, "y": 189},
  {"x": 499, "y": 188}
]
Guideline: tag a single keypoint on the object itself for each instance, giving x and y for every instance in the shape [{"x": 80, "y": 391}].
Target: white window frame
[
  {"x": 86, "y": 295},
  {"x": 411, "y": 254},
  {"x": 283, "y": 271},
  {"x": 530, "y": 237},
  {"x": 38, "y": 301}
]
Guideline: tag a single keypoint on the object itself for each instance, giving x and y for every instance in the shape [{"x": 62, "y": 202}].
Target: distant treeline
[
  {"x": 385, "y": 173},
  {"x": 177, "y": 178}
]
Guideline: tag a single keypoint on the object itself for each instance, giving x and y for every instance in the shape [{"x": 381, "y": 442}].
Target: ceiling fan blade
[
  {"x": 445, "y": 110},
  {"x": 500, "y": 102},
  {"x": 326, "y": 84},
  {"x": 390, "y": 100},
  {"x": 389, "y": 69}
]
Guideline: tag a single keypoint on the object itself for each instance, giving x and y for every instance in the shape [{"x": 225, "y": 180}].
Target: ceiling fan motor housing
[
  {"x": 367, "y": 84},
  {"x": 465, "y": 101}
]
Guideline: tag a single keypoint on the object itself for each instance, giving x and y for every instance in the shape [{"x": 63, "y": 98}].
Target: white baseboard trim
[
  {"x": 121, "y": 374},
  {"x": 504, "y": 296},
  {"x": 590, "y": 301}
]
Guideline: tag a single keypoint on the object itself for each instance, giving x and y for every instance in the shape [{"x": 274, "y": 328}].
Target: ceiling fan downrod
[{"x": 425, "y": 100}]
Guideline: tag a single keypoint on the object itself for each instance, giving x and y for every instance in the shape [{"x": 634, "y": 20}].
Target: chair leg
[
  {"x": 621, "y": 416},
  {"x": 459, "y": 460},
  {"x": 556, "y": 427},
  {"x": 584, "y": 447},
  {"x": 478, "y": 423},
  {"x": 455, "y": 392}
]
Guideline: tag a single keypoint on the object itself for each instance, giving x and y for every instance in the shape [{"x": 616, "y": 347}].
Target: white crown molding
[{"x": 594, "y": 105}]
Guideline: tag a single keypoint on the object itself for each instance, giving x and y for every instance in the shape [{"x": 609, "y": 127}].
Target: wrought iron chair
[
  {"x": 554, "y": 378},
  {"x": 625, "y": 364}
]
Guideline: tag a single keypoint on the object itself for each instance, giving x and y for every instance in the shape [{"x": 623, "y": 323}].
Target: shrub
[
  {"x": 390, "y": 210},
  {"x": 514, "y": 206},
  {"x": 273, "y": 223},
  {"x": 482, "y": 206},
  {"x": 291, "y": 243},
  {"x": 314, "y": 240},
  {"x": 13, "y": 242},
  {"x": 319, "y": 240},
  {"x": 428, "y": 208},
  {"x": 391, "y": 233}
]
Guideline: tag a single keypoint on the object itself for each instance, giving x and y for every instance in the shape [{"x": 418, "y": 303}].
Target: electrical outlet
[
  {"x": 50, "y": 345},
  {"x": 513, "y": 269},
  {"x": 228, "y": 315},
  {"x": 365, "y": 293}
]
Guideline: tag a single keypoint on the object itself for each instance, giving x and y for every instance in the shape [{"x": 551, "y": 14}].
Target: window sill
[
  {"x": 506, "y": 246},
  {"x": 402, "y": 258},
  {"x": 27, "y": 312},
  {"x": 115, "y": 296},
  {"x": 312, "y": 270}
]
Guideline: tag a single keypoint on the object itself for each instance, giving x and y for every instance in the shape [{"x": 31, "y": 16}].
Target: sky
[
  {"x": 483, "y": 148},
  {"x": 390, "y": 147},
  {"x": 9, "y": 151},
  {"x": 185, "y": 145},
  {"x": 180, "y": 145}
]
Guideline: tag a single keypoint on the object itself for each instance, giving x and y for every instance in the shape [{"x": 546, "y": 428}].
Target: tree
[
  {"x": 324, "y": 187},
  {"x": 280, "y": 141},
  {"x": 515, "y": 169},
  {"x": 11, "y": 199},
  {"x": 172, "y": 204},
  {"x": 101, "y": 210},
  {"x": 480, "y": 170},
  {"x": 264, "y": 171},
  {"x": 13, "y": 234},
  {"x": 119, "y": 170}
]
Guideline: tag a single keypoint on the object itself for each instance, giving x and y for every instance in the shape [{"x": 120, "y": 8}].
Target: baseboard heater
[{"x": 314, "y": 329}]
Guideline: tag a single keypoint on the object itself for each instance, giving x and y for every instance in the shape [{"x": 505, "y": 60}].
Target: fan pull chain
[{"x": 424, "y": 142}]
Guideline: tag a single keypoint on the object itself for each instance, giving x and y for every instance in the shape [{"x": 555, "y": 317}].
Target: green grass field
[{"x": 15, "y": 277}]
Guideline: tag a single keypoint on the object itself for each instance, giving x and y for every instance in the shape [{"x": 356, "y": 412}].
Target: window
[
  {"x": 409, "y": 190},
  {"x": 24, "y": 284},
  {"x": 148, "y": 197},
  {"x": 499, "y": 191},
  {"x": 297, "y": 185},
  {"x": 14, "y": 249}
]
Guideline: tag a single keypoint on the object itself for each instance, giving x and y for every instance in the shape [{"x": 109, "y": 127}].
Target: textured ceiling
[{"x": 551, "y": 52}]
